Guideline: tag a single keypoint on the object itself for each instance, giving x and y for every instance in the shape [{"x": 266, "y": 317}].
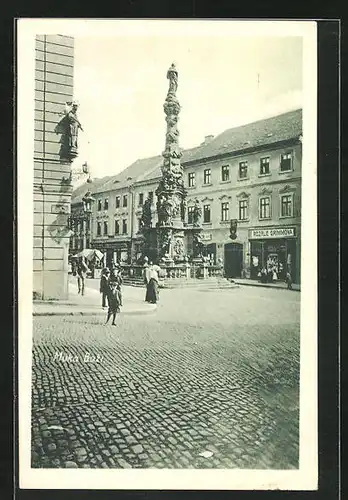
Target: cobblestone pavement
[{"x": 212, "y": 372}]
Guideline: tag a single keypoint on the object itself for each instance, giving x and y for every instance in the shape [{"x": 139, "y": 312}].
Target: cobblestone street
[{"x": 209, "y": 380}]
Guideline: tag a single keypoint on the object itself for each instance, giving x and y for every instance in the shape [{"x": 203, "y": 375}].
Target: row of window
[
  {"x": 117, "y": 229},
  {"x": 104, "y": 204},
  {"x": 285, "y": 166},
  {"x": 286, "y": 209}
]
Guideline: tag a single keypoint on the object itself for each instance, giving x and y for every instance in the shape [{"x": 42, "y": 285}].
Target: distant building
[{"x": 249, "y": 174}]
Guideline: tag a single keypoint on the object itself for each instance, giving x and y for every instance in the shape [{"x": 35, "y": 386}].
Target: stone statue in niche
[{"x": 69, "y": 127}]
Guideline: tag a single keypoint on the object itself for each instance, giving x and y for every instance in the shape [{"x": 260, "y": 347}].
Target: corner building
[
  {"x": 54, "y": 70},
  {"x": 250, "y": 174}
]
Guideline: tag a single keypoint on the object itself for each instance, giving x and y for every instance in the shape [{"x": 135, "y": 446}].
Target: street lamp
[
  {"x": 86, "y": 170},
  {"x": 87, "y": 201}
]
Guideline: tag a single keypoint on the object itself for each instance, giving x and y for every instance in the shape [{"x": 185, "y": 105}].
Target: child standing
[
  {"x": 114, "y": 301},
  {"x": 104, "y": 285}
]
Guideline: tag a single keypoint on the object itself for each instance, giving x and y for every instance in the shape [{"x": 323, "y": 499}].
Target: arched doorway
[{"x": 233, "y": 260}]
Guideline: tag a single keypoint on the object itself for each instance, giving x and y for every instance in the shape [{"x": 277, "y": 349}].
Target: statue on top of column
[{"x": 172, "y": 75}]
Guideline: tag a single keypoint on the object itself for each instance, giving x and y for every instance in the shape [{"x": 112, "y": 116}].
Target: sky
[{"x": 224, "y": 81}]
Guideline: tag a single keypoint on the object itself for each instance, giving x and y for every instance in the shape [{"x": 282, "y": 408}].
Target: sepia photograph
[{"x": 167, "y": 247}]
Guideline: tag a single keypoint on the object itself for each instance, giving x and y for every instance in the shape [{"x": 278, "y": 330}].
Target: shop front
[
  {"x": 115, "y": 251},
  {"x": 276, "y": 251},
  {"x": 209, "y": 248}
]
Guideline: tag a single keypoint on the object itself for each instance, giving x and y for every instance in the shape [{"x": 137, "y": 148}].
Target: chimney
[{"x": 207, "y": 139}]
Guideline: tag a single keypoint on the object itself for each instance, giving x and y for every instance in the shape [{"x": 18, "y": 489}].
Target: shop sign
[
  {"x": 206, "y": 236},
  {"x": 279, "y": 232}
]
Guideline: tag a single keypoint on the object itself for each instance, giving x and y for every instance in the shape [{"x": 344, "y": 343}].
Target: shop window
[
  {"x": 225, "y": 173},
  {"x": 105, "y": 228},
  {"x": 124, "y": 226},
  {"x": 106, "y": 204},
  {"x": 125, "y": 200},
  {"x": 118, "y": 201},
  {"x": 286, "y": 205},
  {"x": 264, "y": 166},
  {"x": 117, "y": 227},
  {"x": 243, "y": 169},
  {"x": 190, "y": 215},
  {"x": 98, "y": 228},
  {"x": 207, "y": 176},
  {"x": 191, "y": 179},
  {"x": 99, "y": 205},
  {"x": 243, "y": 210},
  {"x": 285, "y": 162},
  {"x": 265, "y": 208},
  {"x": 225, "y": 211},
  {"x": 206, "y": 213},
  {"x": 141, "y": 199}
]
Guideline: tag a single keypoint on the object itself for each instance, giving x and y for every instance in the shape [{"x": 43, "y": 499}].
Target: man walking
[
  {"x": 104, "y": 285},
  {"x": 81, "y": 275}
]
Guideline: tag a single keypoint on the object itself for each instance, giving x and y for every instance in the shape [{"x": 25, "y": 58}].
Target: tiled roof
[
  {"x": 252, "y": 135},
  {"x": 135, "y": 172},
  {"x": 263, "y": 132},
  {"x": 93, "y": 187}
]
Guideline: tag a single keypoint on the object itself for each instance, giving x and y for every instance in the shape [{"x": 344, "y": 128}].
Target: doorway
[{"x": 233, "y": 260}]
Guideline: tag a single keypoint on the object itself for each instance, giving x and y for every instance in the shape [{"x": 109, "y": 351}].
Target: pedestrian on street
[
  {"x": 289, "y": 280},
  {"x": 82, "y": 269},
  {"x": 104, "y": 285},
  {"x": 117, "y": 277},
  {"x": 145, "y": 273},
  {"x": 152, "y": 294},
  {"x": 114, "y": 301}
]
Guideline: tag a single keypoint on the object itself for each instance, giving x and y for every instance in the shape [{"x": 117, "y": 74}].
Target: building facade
[
  {"x": 250, "y": 175},
  {"x": 54, "y": 70}
]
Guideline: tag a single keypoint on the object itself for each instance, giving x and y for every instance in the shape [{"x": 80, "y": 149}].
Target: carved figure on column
[
  {"x": 146, "y": 216},
  {"x": 165, "y": 239},
  {"x": 183, "y": 207},
  {"x": 197, "y": 213},
  {"x": 172, "y": 76}
]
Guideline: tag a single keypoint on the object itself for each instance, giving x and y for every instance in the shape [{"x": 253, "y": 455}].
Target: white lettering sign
[
  {"x": 206, "y": 236},
  {"x": 280, "y": 232}
]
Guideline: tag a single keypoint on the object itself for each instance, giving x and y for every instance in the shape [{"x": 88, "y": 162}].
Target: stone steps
[{"x": 209, "y": 283}]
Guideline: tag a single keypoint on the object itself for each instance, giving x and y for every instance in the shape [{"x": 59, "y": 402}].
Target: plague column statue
[{"x": 171, "y": 193}]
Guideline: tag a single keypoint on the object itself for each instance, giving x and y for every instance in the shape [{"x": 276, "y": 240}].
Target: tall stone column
[{"x": 171, "y": 193}]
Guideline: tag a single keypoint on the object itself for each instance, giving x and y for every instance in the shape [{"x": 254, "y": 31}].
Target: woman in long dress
[{"x": 152, "y": 294}]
